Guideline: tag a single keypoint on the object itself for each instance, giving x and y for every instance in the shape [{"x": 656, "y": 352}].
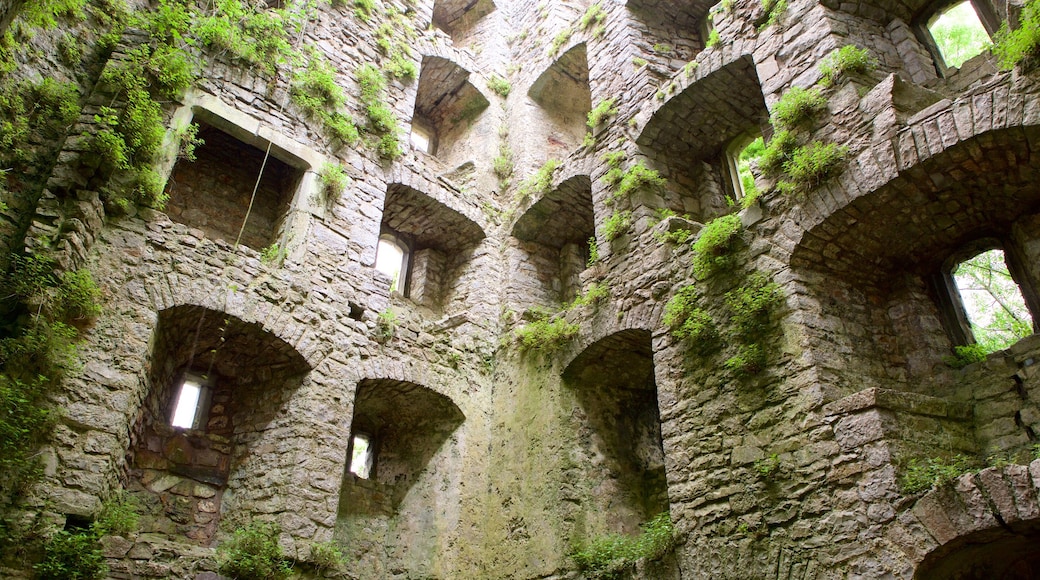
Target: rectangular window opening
[
  {"x": 361, "y": 456},
  {"x": 959, "y": 33},
  {"x": 192, "y": 399}
]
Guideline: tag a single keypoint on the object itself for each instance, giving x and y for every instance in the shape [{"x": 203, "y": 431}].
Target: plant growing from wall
[
  {"x": 386, "y": 324},
  {"x": 796, "y": 106},
  {"x": 713, "y": 249},
  {"x": 1021, "y": 45},
  {"x": 847, "y": 60},
  {"x": 540, "y": 182},
  {"x": 315, "y": 91},
  {"x": 923, "y": 475},
  {"x": 334, "y": 180},
  {"x": 327, "y": 557},
  {"x": 593, "y": 20},
  {"x": 749, "y": 308},
  {"x": 559, "y": 41},
  {"x": 773, "y": 10},
  {"x": 499, "y": 86},
  {"x": 381, "y": 121},
  {"x": 688, "y": 321},
  {"x": 253, "y": 553},
  {"x": 617, "y": 224},
  {"x": 593, "y": 252},
  {"x": 72, "y": 555},
  {"x": 713, "y": 39},
  {"x": 811, "y": 165},
  {"x": 545, "y": 335},
  {"x": 502, "y": 165},
  {"x": 964, "y": 355},
  {"x": 614, "y": 555}
]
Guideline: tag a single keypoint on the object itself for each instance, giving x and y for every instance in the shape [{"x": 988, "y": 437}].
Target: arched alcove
[
  {"x": 668, "y": 34},
  {"x": 445, "y": 104},
  {"x": 687, "y": 137},
  {"x": 247, "y": 376},
  {"x": 440, "y": 242},
  {"x": 875, "y": 258},
  {"x": 555, "y": 231},
  {"x": 613, "y": 381},
  {"x": 562, "y": 92},
  {"x": 456, "y": 17}
]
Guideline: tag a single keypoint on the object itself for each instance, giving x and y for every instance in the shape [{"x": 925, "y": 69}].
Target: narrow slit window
[
  {"x": 992, "y": 301},
  {"x": 192, "y": 397},
  {"x": 421, "y": 139},
  {"x": 959, "y": 33},
  {"x": 361, "y": 456}
]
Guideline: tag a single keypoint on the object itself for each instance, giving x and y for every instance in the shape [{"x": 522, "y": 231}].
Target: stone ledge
[{"x": 898, "y": 401}]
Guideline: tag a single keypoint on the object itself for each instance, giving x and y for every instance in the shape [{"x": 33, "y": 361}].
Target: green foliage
[
  {"x": 964, "y": 355},
  {"x": 768, "y": 466},
  {"x": 600, "y": 112},
  {"x": 716, "y": 242},
  {"x": 559, "y": 40},
  {"x": 662, "y": 48},
  {"x": 812, "y": 164},
  {"x": 271, "y": 255},
  {"x": 386, "y": 324},
  {"x": 637, "y": 178},
  {"x": 45, "y": 14},
  {"x": 713, "y": 39},
  {"x": 775, "y": 155},
  {"x": 315, "y": 91},
  {"x": 847, "y": 60},
  {"x": 334, "y": 180},
  {"x": 1021, "y": 45},
  {"x": 364, "y": 9},
  {"x": 541, "y": 181},
  {"x": 774, "y": 10},
  {"x": 381, "y": 120},
  {"x": 593, "y": 16},
  {"x": 638, "y": 62},
  {"x": 26, "y": 106},
  {"x": 611, "y": 556},
  {"x": 753, "y": 152},
  {"x": 796, "y": 106},
  {"x": 545, "y": 335},
  {"x": 751, "y": 304},
  {"x": 616, "y": 225},
  {"x": 993, "y": 302},
  {"x": 593, "y": 252},
  {"x": 246, "y": 31},
  {"x": 595, "y": 294},
  {"x": 688, "y": 321},
  {"x": 327, "y": 557},
  {"x": 934, "y": 473},
  {"x": 72, "y": 555},
  {"x": 70, "y": 49},
  {"x": 117, "y": 515},
  {"x": 253, "y": 553},
  {"x": 749, "y": 360},
  {"x": 503, "y": 164},
  {"x": 401, "y": 67},
  {"x": 499, "y": 86}
]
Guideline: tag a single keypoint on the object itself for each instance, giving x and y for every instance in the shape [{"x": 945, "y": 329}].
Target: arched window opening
[
  {"x": 391, "y": 259},
  {"x": 993, "y": 303},
  {"x": 958, "y": 33},
  {"x": 739, "y": 155}
]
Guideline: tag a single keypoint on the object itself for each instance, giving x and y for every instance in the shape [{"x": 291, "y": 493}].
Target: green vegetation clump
[
  {"x": 381, "y": 121},
  {"x": 934, "y": 473},
  {"x": 1021, "y": 45},
  {"x": 327, "y": 557},
  {"x": 42, "y": 309},
  {"x": 600, "y": 112},
  {"x": 386, "y": 324},
  {"x": 593, "y": 252},
  {"x": 315, "y": 90},
  {"x": 811, "y": 165},
  {"x": 594, "y": 16},
  {"x": 964, "y": 355},
  {"x": 364, "y": 9},
  {"x": 27, "y": 106},
  {"x": 614, "y": 555},
  {"x": 713, "y": 248},
  {"x": 545, "y": 335},
  {"x": 688, "y": 321},
  {"x": 713, "y": 39},
  {"x": 750, "y": 305},
  {"x": 774, "y": 10},
  {"x": 541, "y": 181},
  {"x": 847, "y": 60},
  {"x": 334, "y": 180},
  {"x": 72, "y": 555},
  {"x": 559, "y": 40},
  {"x": 253, "y": 553},
  {"x": 778, "y": 152},
  {"x": 594, "y": 295},
  {"x": 638, "y": 177},
  {"x": 617, "y": 224},
  {"x": 499, "y": 86},
  {"x": 502, "y": 165},
  {"x": 796, "y": 106}
]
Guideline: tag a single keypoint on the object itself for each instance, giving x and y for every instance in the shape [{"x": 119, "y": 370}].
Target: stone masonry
[{"x": 492, "y": 462}]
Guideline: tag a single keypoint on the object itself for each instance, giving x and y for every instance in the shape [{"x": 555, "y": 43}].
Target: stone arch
[
  {"x": 554, "y": 233},
  {"x": 668, "y": 33},
  {"x": 214, "y": 294},
  {"x": 613, "y": 382},
  {"x": 983, "y": 525},
  {"x": 874, "y": 240},
  {"x": 250, "y": 375},
  {"x": 686, "y": 137},
  {"x": 456, "y": 17}
]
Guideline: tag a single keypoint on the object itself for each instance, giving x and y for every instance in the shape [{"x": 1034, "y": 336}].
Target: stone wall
[{"x": 493, "y": 462}]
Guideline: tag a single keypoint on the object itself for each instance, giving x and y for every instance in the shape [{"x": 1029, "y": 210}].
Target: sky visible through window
[
  {"x": 993, "y": 301},
  {"x": 187, "y": 404}
]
